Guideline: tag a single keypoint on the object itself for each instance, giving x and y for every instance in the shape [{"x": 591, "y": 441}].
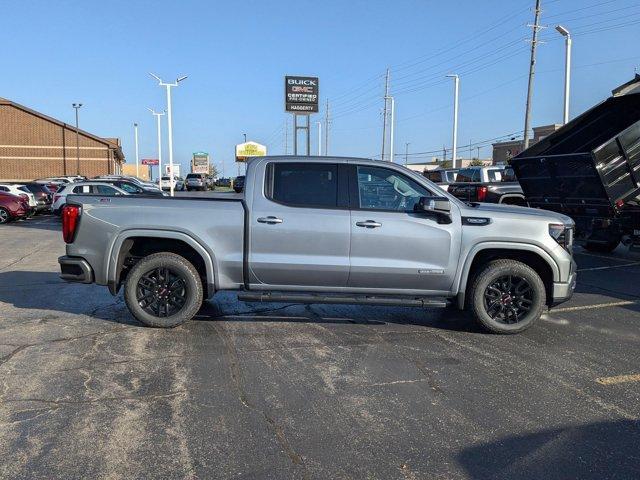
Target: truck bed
[{"x": 218, "y": 220}]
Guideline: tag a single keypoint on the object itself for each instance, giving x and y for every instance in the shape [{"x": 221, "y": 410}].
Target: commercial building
[
  {"x": 503, "y": 152},
  {"x": 34, "y": 145}
]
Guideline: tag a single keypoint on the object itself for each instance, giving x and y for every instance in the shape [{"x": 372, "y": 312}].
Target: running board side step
[{"x": 424, "y": 302}]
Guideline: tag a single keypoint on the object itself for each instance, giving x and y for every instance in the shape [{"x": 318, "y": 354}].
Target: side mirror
[{"x": 436, "y": 206}]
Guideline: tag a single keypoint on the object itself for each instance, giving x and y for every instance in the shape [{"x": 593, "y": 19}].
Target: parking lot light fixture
[
  {"x": 135, "y": 131},
  {"x": 169, "y": 123},
  {"x": 567, "y": 70},
  {"x": 77, "y": 106},
  {"x": 158, "y": 115},
  {"x": 454, "y": 147}
]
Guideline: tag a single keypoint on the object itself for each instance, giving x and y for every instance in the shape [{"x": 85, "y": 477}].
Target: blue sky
[{"x": 236, "y": 54}]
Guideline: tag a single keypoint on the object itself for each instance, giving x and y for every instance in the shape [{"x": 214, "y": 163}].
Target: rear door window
[
  {"x": 104, "y": 190},
  {"x": 303, "y": 184}
]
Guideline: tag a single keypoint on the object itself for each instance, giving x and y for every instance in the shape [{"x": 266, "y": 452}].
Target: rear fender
[{"x": 111, "y": 260}]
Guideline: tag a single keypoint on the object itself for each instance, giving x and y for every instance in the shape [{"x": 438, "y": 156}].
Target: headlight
[{"x": 562, "y": 234}]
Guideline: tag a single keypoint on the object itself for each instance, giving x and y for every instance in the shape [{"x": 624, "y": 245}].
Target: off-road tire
[
  {"x": 182, "y": 269},
  {"x": 489, "y": 274}
]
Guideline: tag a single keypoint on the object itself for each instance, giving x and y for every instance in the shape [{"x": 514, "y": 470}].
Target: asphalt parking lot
[{"x": 292, "y": 391}]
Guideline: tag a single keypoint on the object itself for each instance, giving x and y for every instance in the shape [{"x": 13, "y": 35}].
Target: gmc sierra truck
[{"x": 322, "y": 230}]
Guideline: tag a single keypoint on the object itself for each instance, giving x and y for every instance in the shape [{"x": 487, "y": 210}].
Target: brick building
[{"x": 33, "y": 145}]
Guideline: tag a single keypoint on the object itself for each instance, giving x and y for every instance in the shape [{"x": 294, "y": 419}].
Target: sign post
[{"x": 301, "y": 98}]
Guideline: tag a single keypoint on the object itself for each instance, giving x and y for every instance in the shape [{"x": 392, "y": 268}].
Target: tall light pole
[
  {"x": 135, "y": 131},
  {"x": 406, "y": 153},
  {"x": 158, "y": 115},
  {"x": 456, "y": 88},
  {"x": 169, "y": 122},
  {"x": 245, "y": 137},
  {"x": 77, "y": 106},
  {"x": 567, "y": 70},
  {"x": 319, "y": 138}
]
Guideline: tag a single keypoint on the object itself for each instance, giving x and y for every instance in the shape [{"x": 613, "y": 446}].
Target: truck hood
[{"x": 479, "y": 208}]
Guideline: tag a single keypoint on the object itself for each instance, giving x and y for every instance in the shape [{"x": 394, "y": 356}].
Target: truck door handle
[
  {"x": 270, "y": 220},
  {"x": 369, "y": 224}
]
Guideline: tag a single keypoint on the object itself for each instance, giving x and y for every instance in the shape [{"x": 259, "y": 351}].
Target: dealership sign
[
  {"x": 249, "y": 149},
  {"x": 301, "y": 94},
  {"x": 200, "y": 163},
  {"x": 150, "y": 161}
]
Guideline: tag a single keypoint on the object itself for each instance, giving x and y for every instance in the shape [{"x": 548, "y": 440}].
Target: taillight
[
  {"x": 482, "y": 193},
  {"x": 70, "y": 220},
  {"x": 24, "y": 197}
]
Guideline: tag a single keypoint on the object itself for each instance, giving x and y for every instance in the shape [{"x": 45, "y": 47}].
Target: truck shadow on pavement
[
  {"x": 46, "y": 291},
  {"x": 225, "y": 307},
  {"x": 593, "y": 451}
]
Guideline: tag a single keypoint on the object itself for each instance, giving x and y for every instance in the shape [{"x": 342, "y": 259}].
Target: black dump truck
[{"x": 590, "y": 170}]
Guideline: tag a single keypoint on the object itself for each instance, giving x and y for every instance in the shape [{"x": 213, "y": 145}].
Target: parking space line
[
  {"x": 606, "y": 257},
  {"x": 608, "y": 267},
  {"x": 618, "y": 379},
  {"x": 597, "y": 305}
]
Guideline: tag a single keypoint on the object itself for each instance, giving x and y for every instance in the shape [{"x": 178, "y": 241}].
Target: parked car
[
  {"x": 589, "y": 170},
  {"x": 196, "y": 181},
  {"x": 223, "y": 182},
  {"x": 238, "y": 184},
  {"x": 323, "y": 230},
  {"x": 52, "y": 185},
  {"x": 443, "y": 178},
  {"x": 178, "y": 183},
  {"x": 43, "y": 196},
  {"x": 132, "y": 188},
  {"x": 87, "y": 188},
  {"x": 494, "y": 184},
  {"x": 21, "y": 191},
  {"x": 12, "y": 207}
]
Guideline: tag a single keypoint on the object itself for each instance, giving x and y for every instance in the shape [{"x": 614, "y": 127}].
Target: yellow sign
[{"x": 249, "y": 149}]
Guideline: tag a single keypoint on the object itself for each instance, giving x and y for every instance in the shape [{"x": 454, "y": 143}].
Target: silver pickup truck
[{"x": 322, "y": 230}]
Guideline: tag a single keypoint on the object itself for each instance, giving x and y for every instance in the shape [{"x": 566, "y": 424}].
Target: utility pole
[
  {"x": 319, "y": 124},
  {"x": 444, "y": 154},
  {"x": 169, "y": 124},
  {"x": 393, "y": 121},
  {"x": 158, "y": 115},
  {"x": 406, "y": 153},
  {"x": 454, "y": 149},
  {"x": 135, "y": 130},
  {"x": 478, "y": 147},
  {"x": 384, "y": 114},
  {"x": 532, "y": 69},
  {"x": 77, "y": 107},
  {"x": 326, "y": 129}
]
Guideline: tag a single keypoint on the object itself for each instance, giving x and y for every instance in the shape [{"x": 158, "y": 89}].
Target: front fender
[{"x": 463, "y": 273}]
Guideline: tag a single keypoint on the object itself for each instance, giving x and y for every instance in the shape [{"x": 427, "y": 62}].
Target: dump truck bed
[{"x": 589, "y": 167}]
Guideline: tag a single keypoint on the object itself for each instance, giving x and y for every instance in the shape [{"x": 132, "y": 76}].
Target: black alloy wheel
[
  {"x": 161, "y": 292},
  {"x": 508, "y": 299}
]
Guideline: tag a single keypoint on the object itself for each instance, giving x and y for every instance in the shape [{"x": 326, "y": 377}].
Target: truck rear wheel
[
  {"x": 163, "y": 290},
  {"x": 507, "y": 296}
]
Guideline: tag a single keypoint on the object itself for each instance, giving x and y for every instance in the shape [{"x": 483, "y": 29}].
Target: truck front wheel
[
  {"x": 507, "y": 296},
  {"x": 163, "y": 290}
]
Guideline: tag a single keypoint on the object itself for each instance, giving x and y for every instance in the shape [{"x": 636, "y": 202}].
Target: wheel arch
[
  {"x": 153, "y": 241},
  {"x": 531, "y": 255}
]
